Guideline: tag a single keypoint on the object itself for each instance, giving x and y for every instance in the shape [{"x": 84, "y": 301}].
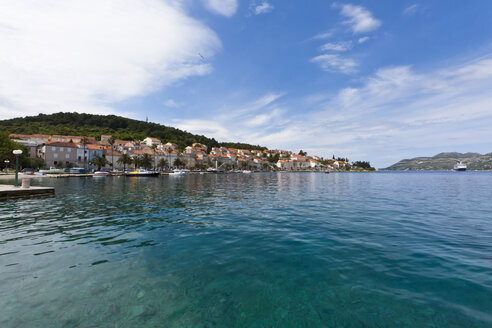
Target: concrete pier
[{"x": 9, "y": 191}]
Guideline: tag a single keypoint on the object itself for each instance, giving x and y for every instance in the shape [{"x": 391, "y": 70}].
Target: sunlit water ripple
[{"x": 256, "y": 250}]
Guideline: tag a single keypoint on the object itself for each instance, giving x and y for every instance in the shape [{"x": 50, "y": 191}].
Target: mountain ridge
[{"x": 444, "y": 161}]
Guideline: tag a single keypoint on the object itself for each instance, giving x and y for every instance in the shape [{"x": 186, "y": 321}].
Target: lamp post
[
  {"x": 7, "y": 162},
  {"x": 17, "y": 152}
]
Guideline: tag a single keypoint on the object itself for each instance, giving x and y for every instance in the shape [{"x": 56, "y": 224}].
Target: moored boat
[
  {"x": 246, "y": 171},
  {"x": 101, "y": 174},
  {"x": 142, "y": 173},
  {"x": 177, "y": 173},
  {"x": 52, "y": 170}
]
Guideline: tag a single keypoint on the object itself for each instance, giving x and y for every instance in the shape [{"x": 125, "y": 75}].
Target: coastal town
[{"x": 108, "y": 153}]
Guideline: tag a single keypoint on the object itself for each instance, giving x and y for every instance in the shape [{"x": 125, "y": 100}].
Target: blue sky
[{"x": 368, "y": 80}]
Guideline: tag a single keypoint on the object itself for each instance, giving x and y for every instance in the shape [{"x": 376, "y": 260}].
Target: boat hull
[{"x": 150, "y": 174}]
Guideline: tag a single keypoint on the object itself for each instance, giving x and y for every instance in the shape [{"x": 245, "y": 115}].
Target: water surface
[{"x": 256, "y": 250}]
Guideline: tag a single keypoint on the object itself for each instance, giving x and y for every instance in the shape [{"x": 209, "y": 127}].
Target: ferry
[{"x": 459, "y": 167}]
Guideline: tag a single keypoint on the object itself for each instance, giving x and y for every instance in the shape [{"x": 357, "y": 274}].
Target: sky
[{"x": 368, "y": 80}]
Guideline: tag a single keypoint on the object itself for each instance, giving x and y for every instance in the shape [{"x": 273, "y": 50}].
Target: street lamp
[
  {"x": 7, "y": 165},
  {"x": 17, "y": 152}
]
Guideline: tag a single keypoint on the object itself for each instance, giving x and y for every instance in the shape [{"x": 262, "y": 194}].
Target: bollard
[{"x": 26, "y": 183}]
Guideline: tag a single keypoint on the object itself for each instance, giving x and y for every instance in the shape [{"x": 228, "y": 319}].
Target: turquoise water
[{"x": 257, "y": 250}]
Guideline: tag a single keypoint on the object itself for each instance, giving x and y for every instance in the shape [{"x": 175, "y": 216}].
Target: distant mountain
[
  {"x": 445, "y": 161},
  {"x": 95, "y": 125}
]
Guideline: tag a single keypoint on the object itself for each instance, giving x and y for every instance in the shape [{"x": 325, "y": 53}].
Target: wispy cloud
[
  {"x": 261, "y": 7},
  {"x": 359, "y": 18},
  {"x": 337, "y": 46},
  {"x": 324, "y": 35},
  {"x": 222, "y": 7},
  {"x": 336, "y": 63},
  {"x": 411, "y": 10},
  {"x": 52, "y": 59},
  {"x": 363, "y": 39},
  {"x": 171, "y": 103},
  {"x": 385, "y": 117}
]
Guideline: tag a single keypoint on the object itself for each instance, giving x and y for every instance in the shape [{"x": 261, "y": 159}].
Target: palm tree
[
  {"x": 84, "y": 143},
  {"x": 146, "y": 161},
  {"x": 162, "y": 163},
  {"x": 99, "y": 162},
  {"x": 154, "y": 147},
  {"x": 179, "y": 162},
  {"x": 124, "y": 159},
  {"x": 137, "y": 161},
  {"x": 111, "y": 142}
]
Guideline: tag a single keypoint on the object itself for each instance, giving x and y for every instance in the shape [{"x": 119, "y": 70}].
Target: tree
[
  {"x": 162, "y": 164},
  {"x": 274, "y": 159},
  {"x": 178, "y": 162},
  {"x": 111, "y": 141},
  {"x": 99, "y": 161},
  {"x": 146, "y": 161},
  {"x": 84, "y": 143},
  {"x": 125, "y": 160},
  {"x": 302, "y": 153},
  {"x": 154, "y": 147},
  {"x": 363, "y": 165},
  {"x": 7, "y": 145},
  {"x": 137, "y": 161}
]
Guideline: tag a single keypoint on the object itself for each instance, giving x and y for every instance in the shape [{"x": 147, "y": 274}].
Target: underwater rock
[
  {"x": 114, "y": 309},
  {"x": 142, "y": 311}
]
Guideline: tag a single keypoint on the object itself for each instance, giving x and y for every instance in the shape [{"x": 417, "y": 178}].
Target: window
[
  {"x": 55, "y": 155},
  {"x": 69, "y": 150},
  {"x": 61, "y": 149},
  {"x": 67, "y": 156},
  {"x": 53, "y": 148}
]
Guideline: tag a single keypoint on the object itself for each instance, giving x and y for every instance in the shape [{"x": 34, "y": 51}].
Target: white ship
[{"x": 460, "y": 167}]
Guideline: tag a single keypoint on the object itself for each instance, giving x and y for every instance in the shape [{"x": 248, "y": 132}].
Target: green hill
[
  {"x": 95, "y": 125},
  {"x": 444, "y": 161}
]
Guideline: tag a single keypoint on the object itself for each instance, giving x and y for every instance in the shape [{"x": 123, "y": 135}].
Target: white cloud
[
  {"x": 171, "y": 103},
  {"x": 359, "y": 19},
  {"x": 85, "y": 55},
  {"x": 395, "y": 113},
  {"x": 210, "y": 128},
  {"x": 411, "y": 10},
  {"x": 336, "y": 46},
  {"x": 336, "y": 63},
  {"x": 262, "y": 7},
  {"x": 222, "y": 7},
  {"x": 263, "y": 119},
  {"x": 363, "y": 39},
  {"x": 325, "y": 35}
]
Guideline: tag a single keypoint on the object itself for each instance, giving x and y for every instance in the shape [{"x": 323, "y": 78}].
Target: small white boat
[
  {"x": 101, "y": 174},
  {"x": 247, "y": 171},
  {"x": 177, "y": 173}
]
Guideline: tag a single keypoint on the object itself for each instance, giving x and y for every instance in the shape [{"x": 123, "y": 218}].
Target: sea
[{"x": 383, "y": 249}]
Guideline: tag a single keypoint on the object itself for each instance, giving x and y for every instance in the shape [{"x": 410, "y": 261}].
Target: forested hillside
[{"x": 96, "y": 125}]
